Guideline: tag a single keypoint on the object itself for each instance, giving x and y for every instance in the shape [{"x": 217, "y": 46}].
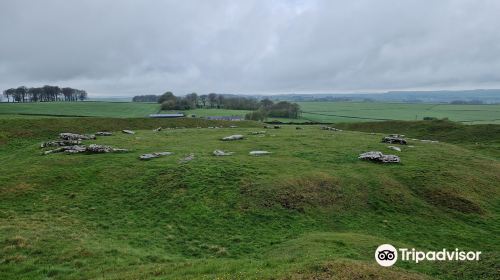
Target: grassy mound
[{"x": 309, "y": 210}]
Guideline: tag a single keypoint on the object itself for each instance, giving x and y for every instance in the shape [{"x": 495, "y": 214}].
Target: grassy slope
[
  {"x": 398, "y": 111},
  {"x": 90, "y": 108},
  {"x": 482, "y": 137},
  {"x": 309, "y": 210}
]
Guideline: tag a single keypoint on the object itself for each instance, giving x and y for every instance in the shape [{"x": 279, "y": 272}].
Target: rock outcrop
[
  {"x": 60, "y": 143},
  {"x": 394, "y": 139},
  {"x": 74, "y": 136},
  {"x": 91, "y": 149},
  {"x": 377, "y": 156}
]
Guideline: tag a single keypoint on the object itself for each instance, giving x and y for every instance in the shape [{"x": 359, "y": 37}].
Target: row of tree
[
  {"x": 44, "y": 94},
  {"x": 192, "y": 101},
  {"x": 261, "y": 110},
  {"x": 281, "y": 109}
]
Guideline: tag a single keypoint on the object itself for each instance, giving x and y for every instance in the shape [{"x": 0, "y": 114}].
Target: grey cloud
[{"x": 128, "y": 47}]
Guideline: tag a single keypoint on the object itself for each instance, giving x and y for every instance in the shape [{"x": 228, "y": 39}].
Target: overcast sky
[{"x": 127, "y": 47}]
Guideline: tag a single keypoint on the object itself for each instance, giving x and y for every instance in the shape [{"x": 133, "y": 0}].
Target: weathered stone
[
  {"x": 379, "y": 157},
  {"x": 259, "y": 153},
  {"x": 233, "y": 137},
  {"x": 397, "y": 135},
  {"x": 128, "y": 131},
  {"x": 60, "y": 143},
  {"x": 92, "y": 149},
  {"x": 233, "y": 126},
  {"x": 187, "y": 159},
  {"x": 394, "y": 148},
  {"x": 257, "y": 132},
  {"x": 103, "y": 133},
  {"x": 222, "y": 153},
  {"x": 429, "y": 141},
  {"x": 394, "y": 140},
  {"x": 74, "y": 136},
  {"x": 330, "y": 128},
  {"x": 157, "y": 129},
  {"x": 154, "y": 155},
  {"x": 277, "y": 126}
]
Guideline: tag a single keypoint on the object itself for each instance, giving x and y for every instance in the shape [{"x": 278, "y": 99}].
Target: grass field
[
  {"x": 310, "y": 210},
  {"x": 358, "y": 112},
  {"x": 330, "y": 112},
  {"x": 86, "y": 109}
]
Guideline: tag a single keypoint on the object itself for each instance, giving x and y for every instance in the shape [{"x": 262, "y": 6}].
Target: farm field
[
  {"x": 212, "y": 112},
  {"x": 80, "y": 109},
  {"x": 330, "y": 112},
  {"x": 310, "y": 210},
  {"x": 374, "y": 111}
]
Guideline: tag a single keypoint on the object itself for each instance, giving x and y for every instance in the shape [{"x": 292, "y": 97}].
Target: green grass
[
  {"x": 367, "y": 111},
  {"x": 311, "y": 210},
  {"x": 79, "y": 109}
]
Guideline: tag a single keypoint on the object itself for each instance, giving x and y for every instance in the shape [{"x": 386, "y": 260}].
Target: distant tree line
[
  {"x": 169, "y": 101},
  {"x": 146, "y": 98},
  {"x": 44, "y": 94},
  {"x": 261, "y": 109},
  {"x": 281, "y": 109}
]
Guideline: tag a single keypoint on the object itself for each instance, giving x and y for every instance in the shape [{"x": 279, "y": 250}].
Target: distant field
[
  {"x": 312, "y": 111},
  {"x": 213, "y": 112},
  {"x": 87, "y": 109},
  {"x": 356, "y": 112}
]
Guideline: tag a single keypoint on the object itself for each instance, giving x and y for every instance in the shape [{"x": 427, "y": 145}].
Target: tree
[
  {"x": 192, "y": 98},
  {"x": 82, "y": 95},
  {"x": 203, "y": 100},
  {"x": 166, "y": 97},
  {"x": 9, "y": 93},
  {"x": 266, "y": 103},
  {"x": 212, "y": 99},
  {"x": 21, "y": 93}
]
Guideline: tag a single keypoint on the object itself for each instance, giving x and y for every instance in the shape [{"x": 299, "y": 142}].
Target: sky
[{"x": 129, "y": 47}]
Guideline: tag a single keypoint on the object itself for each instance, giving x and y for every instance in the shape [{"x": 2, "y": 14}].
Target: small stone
[
  {"x": 233, "y": 137},
  {"x": 221, "y": 153},
  {"x": 394, "y": 140},
  {"x": 187, "y": 159},
  {"x": 257, "y": 132},
  {"x": 103, "y": 133},
  {"x": 394, "y": 148},
  {"x": 377, "y": 156},
  {"x": 259, "y": 153},
  {"x": 128, "y": 131},
  {"x": 154, "y": 155}
]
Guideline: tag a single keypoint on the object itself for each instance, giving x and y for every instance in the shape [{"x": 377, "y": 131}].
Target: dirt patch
[
  {"x": 351, "y": 270},
  {"x": 17, "y": 189},
  {"x": 315, "y": 190},
  {"x": 446, "y": 199}
]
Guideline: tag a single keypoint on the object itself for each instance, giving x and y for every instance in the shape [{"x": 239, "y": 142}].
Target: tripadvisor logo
[{"x": 387, "y": 255}]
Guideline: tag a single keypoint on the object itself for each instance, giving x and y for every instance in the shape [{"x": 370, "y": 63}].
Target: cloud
[{"x": 129, "y": 47}]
